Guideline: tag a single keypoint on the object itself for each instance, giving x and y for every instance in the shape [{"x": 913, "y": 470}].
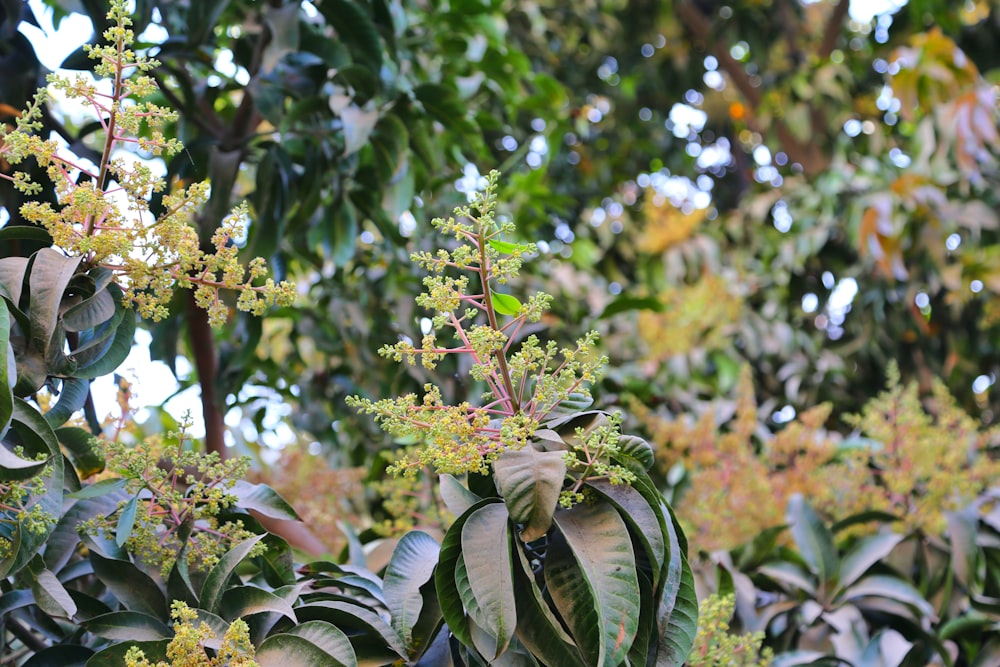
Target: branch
[{"x": 832, "y": 30}]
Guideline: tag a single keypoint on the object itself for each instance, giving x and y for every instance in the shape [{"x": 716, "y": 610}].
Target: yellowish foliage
[
  {"x": 915, "y": 462},
  {"x": 666, "y": 224},
  {"x": 693, "y": 316}
]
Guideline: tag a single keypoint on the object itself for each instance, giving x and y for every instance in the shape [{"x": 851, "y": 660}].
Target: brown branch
[
  {"x": 203, "y": 350},
  {"x": 808, "y": 154},
  {"x": 833, "y": 28}
]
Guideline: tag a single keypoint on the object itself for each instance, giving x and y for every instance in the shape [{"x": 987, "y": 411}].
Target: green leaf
[
  {"x": 390, "y": 143},
  {"x": 83, "y": 450},
  {"x": 358, "y": 124},
  {"x": 445, "y": 575},
  {"x": 634, "y": 449},
  {"x": 354, "y": 619},
  {"x": 120, "y": 347},
  {"x": 240, "y": 601},
  {"x": 288, "y": 650},
  {"x": 128, "y": 626},
  {"x": 677, "y": 616},
  {"x": 813, "y": 538},
  {"x": 51, "y": 272},
  {"x": 456, "y": 497},
  {"x": 90, "y": 312},
  {"x": 8, "y": 370},
  {"x": 411, "y": 566},
  {"x": 126, "y": 521},
  {"x": 97, "y": 489},
  {"x": 626, "y": 303},
  {"x": 505, "y": 304},
  {"x": 71, "y": 398},
  {"x": 50, "y": 595},
  {"x": 487, "y": 531},
  {"x": 64, "y": 540},
  {"x": 114, "y": 655},
  {"x": 215, "y": 582},
  {"x": 14, "y": 467},
  {"x": 868, "y": 551},
  {"x": 643, "y": 520},
  {"x": 133, "y": 587},
  {"x": 60, "y": 655},
  {"x": 537, "y": 627},
  {"x": 530, "y": 482},
  {"x": 891, "y": 588},
  {"x": 329, "y": 638},
  {"x": 790, "y": 575},
  {"x": 37, "y": 438},
  {"x": 355, "y": 28},
  {"x": 25, "y": 233},
  {"x": 263, "y": 499},
  {"x": 591, "y": 576}
]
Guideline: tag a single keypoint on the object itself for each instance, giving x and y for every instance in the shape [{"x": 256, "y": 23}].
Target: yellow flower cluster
[
  {"x": 103, "y": 213},
  {"x": 524, "y": 382},
  {"x": 176, "y": 496},
  {"x": 187, "y": 648}
]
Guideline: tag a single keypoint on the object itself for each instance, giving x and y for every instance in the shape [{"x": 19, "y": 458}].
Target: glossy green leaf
[
  {"x": 487, "y": 531},
  {"x": 329, "y": 638},
  {"x": 287, "y": 650},
  {"x": 813, "y": 539},
  {"x": 891, "y": 588},
  {"x": 456, "y": 497},
  {"x": 133, "y": 587},
  {"x": 390, "y": 143},
  {"x": 83, "y": 450},
  {"x": 867, "y": 552},
  {"x": 505, "y": 304},
  {"x": 99, "y": 488},
  {"x": 8, "y": 370},
  {"x": 51, "y": 272},
  {"x": 14, "y": 467},
  {"x": 62, "y": 544},
  {"x": 411, "y": 566},
  {"x": 218, "y": 577},
  {"x": 50, "y": 595},
  {"x": 537, "y": 627},
  {"x": 12, "y": 272},
  {"x": 37, "y": 438},
  {"x": 120, "y": 346},
  {"x": 592, "y": 579},
  {"x": 128, "y": 626},
  {"x": 126, "y": 521},
  {"x": 634, "y": 449},
  {"x": 677, "y": 616},
  {"x": 640, "y": 517},
  {"x": 444, "y": 575},
  {"x": 61, "y": 655},
  {"x": 90, "y": 312},
  {"x": 353, "y": 619},
  {"x": 114, "y": 655},
  {"x": 240, "y": 601},
  {"x": 530, "y": 482},
  {"x": 262, "y": 498},
  {"x": 355, "y": 28},
  {"x": 72, "y": 396}
]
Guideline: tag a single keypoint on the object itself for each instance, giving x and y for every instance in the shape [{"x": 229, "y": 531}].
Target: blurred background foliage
[{"x": 763, "y": 205}]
